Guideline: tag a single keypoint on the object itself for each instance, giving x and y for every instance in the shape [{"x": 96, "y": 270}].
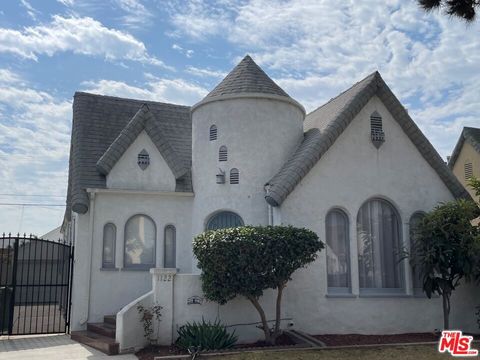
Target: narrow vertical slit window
[
  {"x": 234, "y": 176},
  {"x": 338, "y": 252},
  {"x": 109, "y": 238},
  {"x": 170, "y": 247},
  {"x": 223, "y": 153}
]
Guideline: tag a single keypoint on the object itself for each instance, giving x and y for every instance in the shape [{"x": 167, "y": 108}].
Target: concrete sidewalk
[{"x": 50, "y": 347}]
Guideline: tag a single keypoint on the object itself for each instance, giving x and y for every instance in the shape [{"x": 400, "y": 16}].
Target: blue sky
[{"x": 176, "y": 51}]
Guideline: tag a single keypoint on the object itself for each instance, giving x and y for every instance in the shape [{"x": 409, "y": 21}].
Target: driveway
[{"x": 50, "y": 347}]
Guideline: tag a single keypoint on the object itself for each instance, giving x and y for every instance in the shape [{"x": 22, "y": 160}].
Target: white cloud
[
  {"x": 67, "y": 3},
  {"x": 137, "y": 16},
  {"x": 187, "y": 52},
  {"x": 34, "y": 149},
  {"x": 31, "y": 11},
  {"x": 205, "y": 72},
  {"x": 84, "y": 36},
  {"x": 317, "y": 48},
  {"x": 177, "y": 91}
]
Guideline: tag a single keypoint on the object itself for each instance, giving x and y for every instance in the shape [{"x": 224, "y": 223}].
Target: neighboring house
[
  {"x": 465, "y": 159},
  {"x": 146, "y": 177},
  {"x": 53, "y": 235}
]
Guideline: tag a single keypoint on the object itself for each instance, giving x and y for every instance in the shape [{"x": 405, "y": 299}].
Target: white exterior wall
[
  {"x": 126, "y": 173},
  {"x": 260, "y": 134},
  {"x": 111, "y": 290},
  {"x": 351, "y": 172}
]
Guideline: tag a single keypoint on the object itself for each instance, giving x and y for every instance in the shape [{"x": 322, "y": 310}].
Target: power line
[
  {"x": 33, "y": 195},
  {"x": 30, "y": 204}
]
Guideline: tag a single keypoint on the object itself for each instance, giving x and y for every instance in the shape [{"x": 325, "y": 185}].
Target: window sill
[
  {"x": 340, "y": 295},
  {"x": 109, "y": 269},
  {"x": 385, "y": 295},
  {"x": 146, "y": 269}
]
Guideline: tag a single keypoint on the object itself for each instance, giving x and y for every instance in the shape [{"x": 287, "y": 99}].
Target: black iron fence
[{"x": 35, "y": 279}]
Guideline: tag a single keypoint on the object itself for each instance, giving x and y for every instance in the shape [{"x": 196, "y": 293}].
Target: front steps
[{"x": 100, "y": 336}]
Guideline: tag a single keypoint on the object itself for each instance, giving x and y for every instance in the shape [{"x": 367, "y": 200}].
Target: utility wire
[
  {"x": 33, "y": 195},
  {"x": 30, "y": 204}
]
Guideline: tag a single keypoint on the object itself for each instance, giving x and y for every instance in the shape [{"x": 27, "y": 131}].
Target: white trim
[
  {"x": 249, "y": 96},
  {"x": 139, "y": 192}
]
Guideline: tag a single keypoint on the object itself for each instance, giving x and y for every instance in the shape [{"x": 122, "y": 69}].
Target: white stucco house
[{"x": 146, "y": 177}]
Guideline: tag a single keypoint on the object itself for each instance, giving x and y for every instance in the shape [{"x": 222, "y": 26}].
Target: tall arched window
[
  {"x": 379, "y": 245},
  {"x": 338, "y": 254},
  {"x": 417, "y": 282},
  {"x": 170, "y": 247},
  {"x": 108, "y": 252},
  {"x": 234, "y": 176},
  {"x": 223, "y": 153},
  {"x": 213, "y": 132},
  {"x": 140, "y": 239},
  {"x": 224, "y": 219}
]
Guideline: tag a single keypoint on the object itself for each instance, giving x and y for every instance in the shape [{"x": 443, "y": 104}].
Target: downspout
[
  {"x": 269, "y": 207},
  {"x": 89, "y": 277}
]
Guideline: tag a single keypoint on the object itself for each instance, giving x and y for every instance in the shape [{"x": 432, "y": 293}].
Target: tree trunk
[
  {"x": 266, "y": 330},
  {"x": 278, "y": 313},
  {"x": 446, "y": 310}
]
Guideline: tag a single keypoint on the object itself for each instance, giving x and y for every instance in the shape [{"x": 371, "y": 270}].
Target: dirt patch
[
  {"x": 150, "y": 352},
  {"x": 356, "y": 339},
  {"x": 282, "y": 340}
]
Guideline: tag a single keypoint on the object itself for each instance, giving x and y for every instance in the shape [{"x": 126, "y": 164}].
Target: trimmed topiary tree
[
  {"x": 446, "y": 246},
  {"x": 246, "y": 261}
]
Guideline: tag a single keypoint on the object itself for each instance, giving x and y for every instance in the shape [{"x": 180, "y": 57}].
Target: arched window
[
  {"x": 338, "y": 254},
  {"x": 234, "y": 176},
  {"x": 222, "y": 153},
  {"x": 417, "y": 281},
  {"x": 170, "y": 247},
  {"x": 224, "y": 219},
  {"x": 379, "y": 245},
  {"x": 140, "y": 239},
  {"x": 213, "y": 132},
  {"x": 376, "y": 129},
  {"x": 108, "y": 252}
]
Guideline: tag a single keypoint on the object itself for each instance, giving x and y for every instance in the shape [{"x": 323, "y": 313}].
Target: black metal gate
[{"x": 35, "y": 291}]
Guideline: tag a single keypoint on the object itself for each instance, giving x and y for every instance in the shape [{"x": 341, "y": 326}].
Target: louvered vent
[
  {"x": 223, "y": 153},
  {"x": 376, "y": 130},
  {"x": 234, "y": 176},
  {"x": 468, "y": 170},
  {"x": 213, "y": 132},
  {"x": 143, "y": 159}
]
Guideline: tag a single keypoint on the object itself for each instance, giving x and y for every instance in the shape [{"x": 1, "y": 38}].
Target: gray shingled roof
[
  {"x": 472, "y": 136},
  {"x": 143, "y": 120},
  {"x": 324, "y": 125},
  {"x": 247, "y": 77},
  {"x": 99, "y": 120}
]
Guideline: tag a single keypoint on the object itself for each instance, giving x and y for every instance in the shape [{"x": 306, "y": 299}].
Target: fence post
[{"x": 14, "y": 284}]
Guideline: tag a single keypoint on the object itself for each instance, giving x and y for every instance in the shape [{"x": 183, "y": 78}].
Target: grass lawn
[{"x": 417, "y": 352}]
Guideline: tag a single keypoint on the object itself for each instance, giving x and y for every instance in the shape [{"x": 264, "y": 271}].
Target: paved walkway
[{"x": 51, "y": 347}]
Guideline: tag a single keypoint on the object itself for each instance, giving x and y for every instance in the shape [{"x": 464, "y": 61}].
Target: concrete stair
[{"x": 100, "y": 336}]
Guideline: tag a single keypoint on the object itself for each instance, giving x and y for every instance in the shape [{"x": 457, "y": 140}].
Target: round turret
[{"x": 243, "y": 132}]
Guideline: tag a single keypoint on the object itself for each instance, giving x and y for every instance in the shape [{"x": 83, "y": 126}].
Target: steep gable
[
  {"x": 98, "y": 120},
  {"x": 324, "y": 125}
]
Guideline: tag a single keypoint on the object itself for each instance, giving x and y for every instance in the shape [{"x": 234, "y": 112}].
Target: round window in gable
[{"x": 143, "y": 159}]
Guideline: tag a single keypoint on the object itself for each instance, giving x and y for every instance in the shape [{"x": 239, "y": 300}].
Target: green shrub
[{"x": 205, "y": 336}]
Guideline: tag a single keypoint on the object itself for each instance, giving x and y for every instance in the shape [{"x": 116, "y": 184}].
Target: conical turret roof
[{"x": 247, "y": 77}]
